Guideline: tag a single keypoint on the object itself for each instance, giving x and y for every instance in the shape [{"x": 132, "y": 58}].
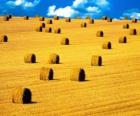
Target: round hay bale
[
  {"x": 96, "y": 61},
  {"x": 104, "y": 18},
  {"x": 68, "y": 20},
  {"x": 39, "y": 29},
  {"x": 43, "y": 25},
  {"x": 54, "y": 59},
  {"x": 48, "y": 29},
  {"x": 6, "y": 18},
  {"x": 26, "y": 18},
  {"x": 123, "y": 39},
  {"x": 57, "y": 30},
  {"x": 107, "y": 45},
  {"x": 126, "y": 26},
  {"x": 78, "y": 74},
  {"x": 109, "y": 19},
  {"x": 4, "y": 38},
  {"x": 30, "y": 58},
  {"x": 46, "y": 73},
  {"x": 9, "y": 16},
  {"x": 41, "y": 19},
  {"x": 22, "y": 95},
  {"x": 49, "y": 21},
  {"x": 65, "y": 41},
  {"x": 100, "y": 33},
  {"x": 56, "y": 18},
  {"x": 134, "y": 20},
  {"x": 133, "y": 32},
  {"x": 91, "y": 21},
  {"x": 83, "y": 24}
]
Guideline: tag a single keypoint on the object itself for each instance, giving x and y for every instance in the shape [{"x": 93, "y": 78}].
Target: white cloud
[
  {"x": 23, "y": 3},
  {"x": 79, "y": 3},
  {"x": 132, "y": 13},
  {"x": 102, "y": 3},
  {"x": 93, "y": 9},
  {"x": 63, "y": 12}
]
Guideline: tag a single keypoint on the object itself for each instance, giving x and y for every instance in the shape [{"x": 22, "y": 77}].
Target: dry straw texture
[
  {"x": 4, "y": 38},
  {"x": 54, "y": 59},
  {"x": 123, "y": 39},
  {"x": 6, "y": 18},
  {"x": 30, "y": 58},
  {"x": 134, "y": 20},
  {"x": 49, "y": 21},
  {"x": 56, "y": 18},
  {"x": 126, "y": 26},
  {"x": 48, "y": 29},
  {"x": 46, "y": 73},
  {"x": 133, "y": 32},
  {"x": 43, "y": 25},
  {"x": 39, "y": 29},
  {"x": 96, "y": 61},
  {"x": 107, "y": 45},
  {"x": 84, "y": 24},
  {"x": 26, "y": 18},
  {"x": 41, "y": 19},
  {"x": 22, "y": 95},
  {"x": 77, "y": 74},
  {"x": 57, "y": 30},
  {"x": 68, "y": 20},
  {"x": 100, "y": 34},
  {"x": 90, "y": 21},
  {"x": 65, "y": 41},
  {"x": 109, "y": 19}
]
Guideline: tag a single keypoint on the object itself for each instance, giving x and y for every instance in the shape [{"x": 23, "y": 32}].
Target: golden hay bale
[
  {"x": 30, "y": 58},
  {"x": 22, "y": 95},
  {"x": 56, "y": 18},
  {"x": 126, "y": 26},
  {"x": 68, "y": 20},
  {"x": 6, "y": 18},
  {"x": 84, "y": 24},
  {"x": 104, "y": 18},
  {"x": 46, "y": 73},
  {"x": 57, "y": 30},
  {"x": 90, "y": 21},
  {"x": 123, "y": 39},
  {"x": 4, "y": 38},
  {"x": 107, "y": 45},
  {"x": 41, "y": 19},
  {"x": 10, "y": 16},
  {"x": 39, "y": 29},
  {"x": 43, "y": 25},
  {"x": 26, "y": 18},
  {"x": 48, "y": 29},
  {"x": 96, "y": 61},
  {"x": 78, "y": 74},
  {"x": 54, "y": 59},
  {"x": 65, "y": 41},
  {"x": 133, "y": 32},
  {"x": 49, "y": 21},
  {"x": 100, "y": 33},
  {"x": 134, "y": 20},
  {"x": 109, "y": 19}
]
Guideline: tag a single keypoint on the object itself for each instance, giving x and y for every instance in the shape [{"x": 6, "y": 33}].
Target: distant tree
[
  {"x": 126, "y": 18},
  {"x": 88, "y": 17}
]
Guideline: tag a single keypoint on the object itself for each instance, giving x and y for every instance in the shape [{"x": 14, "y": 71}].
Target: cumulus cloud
[
  {"x": 132, "y": 13},
  {"x": 23, "y": 3},
  {"x": 80, "y": 8}
]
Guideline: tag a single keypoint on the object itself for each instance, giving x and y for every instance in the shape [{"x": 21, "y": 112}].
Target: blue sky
[{"x": 71, "y": 8}]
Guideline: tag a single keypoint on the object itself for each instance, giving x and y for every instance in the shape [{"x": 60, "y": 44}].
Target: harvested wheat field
[{"x": 110, "y": 89}]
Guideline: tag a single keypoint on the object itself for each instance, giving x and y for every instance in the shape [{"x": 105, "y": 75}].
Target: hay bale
[
  {"x": 78, "y": 74},
  {"x": 49, "y": 21},
  {"x": 41, "y": 19},
  {"x": 30, "y": 58},
  {"x": 104, "y": 18},
  {"x": 68, "y": 20},
  {"x": 22, "y": 95},
  {"x": 83, "y": 24},
  {"x": 107, "y": 45},
  {"x": 109, "y": 19},
  {"x": 65, "y": 41},
  {"x": 126, "y": 26},
  {"x": 39, "y": 29},
  {"x": 43, "y": 25},
  {"x": 123, "y": 39},
  {"x": 91, "y": 21},
  {"x": 96, "y": 61},
  {"x": 54, "y": 59},
  {"x": 46, "y": 73},
  {"x": 6, "y": 18},
  {"x": 57, "y": 30},
  {"x": 56, "y": 18},
  {"x": 134, "y": 20},
  {"x": 100, "y": 33},
  {"x": 133, "y": 32},
  {"x": 48, "y": 29},
  {"x": 10, "y": 16},
  {"x": 26, "y": 18},
  {"x": 4, "y": 38}
]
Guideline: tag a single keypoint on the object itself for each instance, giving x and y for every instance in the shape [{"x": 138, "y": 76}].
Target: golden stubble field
[{"x": 112, "y": 89}]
